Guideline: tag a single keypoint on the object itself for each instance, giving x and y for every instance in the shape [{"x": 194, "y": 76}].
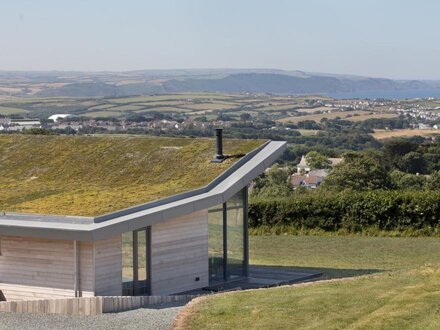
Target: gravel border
[{"x": 159, "y": 317}]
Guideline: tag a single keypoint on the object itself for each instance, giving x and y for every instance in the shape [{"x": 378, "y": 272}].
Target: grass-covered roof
[{"x": 89, "y": 176}]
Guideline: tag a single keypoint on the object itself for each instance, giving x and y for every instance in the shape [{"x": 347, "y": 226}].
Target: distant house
[
  {"x": 308, "y": 177},
  {"x": 60, "y": 116},
  {"x": 21, "y": 124},
  {"x": 75, "y": 127},
  {"x": 309, "y": 180},
  {"x": 424, "y": 126},
  {"x": 303, "y": 167}
]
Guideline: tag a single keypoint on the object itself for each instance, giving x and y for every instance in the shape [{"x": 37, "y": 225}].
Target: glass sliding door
[
  {"x": 227, "y": 239},
  {"x": 235, "y": 235},
  {"x": 215, "y": 243},
  {"x": 136, "y": 262},
  {"x": 143, "y": 262}
]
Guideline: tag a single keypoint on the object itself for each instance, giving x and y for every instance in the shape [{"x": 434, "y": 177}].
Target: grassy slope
[
  {"x": 97, "y": 175},
  {"x": 402, "y": 292}
]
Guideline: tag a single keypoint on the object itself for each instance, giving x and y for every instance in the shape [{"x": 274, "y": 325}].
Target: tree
[
  {"x": 397, "y": 148},
  {"x": 38, "y": 131},
  {"x": 274, "y": 183},
  {"x": 245, "y": 116},
  {"x": 359, "y": 172},
  {"x": 401, "y": 180},
  {"x": 316, "y": 160},
  {"x": 413, "y": 162},
  {"x": 434, "y": 181}
]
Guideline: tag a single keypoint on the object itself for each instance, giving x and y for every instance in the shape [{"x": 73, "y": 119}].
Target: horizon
[
  {"x": 282, "y": 71},
  {"x": 368, "y": 39}
]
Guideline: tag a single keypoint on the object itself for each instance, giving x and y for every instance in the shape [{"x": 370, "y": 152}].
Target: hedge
[{"x": 354, "y": 211}]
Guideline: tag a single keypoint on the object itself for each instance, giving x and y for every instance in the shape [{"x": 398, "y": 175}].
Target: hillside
[
  {"x": 89, "y": 84},
  {"x": 95, "y": 175}
]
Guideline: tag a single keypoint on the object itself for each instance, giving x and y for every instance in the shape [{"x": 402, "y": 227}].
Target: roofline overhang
[{"x": 217, "y": 192}]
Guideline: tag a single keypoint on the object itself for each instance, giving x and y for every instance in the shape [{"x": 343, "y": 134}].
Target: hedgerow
[{"x": 351, "y": 211}]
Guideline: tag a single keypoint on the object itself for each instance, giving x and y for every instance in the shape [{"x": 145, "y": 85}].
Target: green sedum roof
[{"x": 90, "y": 175}]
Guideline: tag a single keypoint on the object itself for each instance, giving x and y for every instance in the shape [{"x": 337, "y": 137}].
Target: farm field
[
  {"x": 368, "y": 115},
  {"x": 318, "y": 117},
  {"x": 260, "y": 110},
  {"x": 308, "y": 132},
  {"x": 189, "y": 104},
  {"x": 313, "y": 110},
  {"x": 10, "y": 110},
  {"x": 386, "y": 134},
  {"x": 373, "y": 282}
]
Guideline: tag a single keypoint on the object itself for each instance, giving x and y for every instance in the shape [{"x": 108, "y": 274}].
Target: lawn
[{"x": 400, "y": 286}]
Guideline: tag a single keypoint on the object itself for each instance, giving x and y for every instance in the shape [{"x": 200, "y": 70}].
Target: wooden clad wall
[
  {"x": 108, "y": 266},
  {"x": 179, "y": 254},
  {"x": 32, "y": 268}
]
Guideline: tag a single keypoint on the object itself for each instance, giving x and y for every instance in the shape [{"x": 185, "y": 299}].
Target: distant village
[
  {"x": 71, "y": 122},
  {"x": 421, "y": 116}
]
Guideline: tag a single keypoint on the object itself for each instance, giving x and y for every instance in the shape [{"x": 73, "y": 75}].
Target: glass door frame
[
  {"x": 226, "y": 275},
  {"x": 136, "y": 288}
]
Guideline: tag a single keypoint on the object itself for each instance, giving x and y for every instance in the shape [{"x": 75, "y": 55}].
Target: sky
[{"x": 379, "y": 38}]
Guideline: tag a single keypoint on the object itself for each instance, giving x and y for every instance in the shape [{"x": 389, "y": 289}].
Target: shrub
[{"x": 351, "y": 211}]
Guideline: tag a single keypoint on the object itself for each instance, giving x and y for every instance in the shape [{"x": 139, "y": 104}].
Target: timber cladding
[
  {"x": 32, "y": 268},
  {"x": 88, "y": 305},
  {"x": 179, "y": 254},
  {"x": 108, "y": 266}
]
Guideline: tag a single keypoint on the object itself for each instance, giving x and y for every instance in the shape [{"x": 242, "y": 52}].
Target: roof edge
[{"x": 187, "y": 194}]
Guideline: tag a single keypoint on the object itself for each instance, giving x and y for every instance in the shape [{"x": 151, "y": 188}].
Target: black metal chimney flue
[{"x": 219, "y": 157}]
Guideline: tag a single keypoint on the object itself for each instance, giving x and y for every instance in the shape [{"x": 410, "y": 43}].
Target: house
[
  {"x": 304, "y": 167},
  {"x": 60, "y": 116},
  {"x": 21, "y": 124},
  {"x": 112, "y": 215},
  {"x": 310, "y": 180}
]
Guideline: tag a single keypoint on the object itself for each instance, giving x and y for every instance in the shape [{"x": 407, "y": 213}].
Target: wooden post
[{"x": 75, "y": 269}]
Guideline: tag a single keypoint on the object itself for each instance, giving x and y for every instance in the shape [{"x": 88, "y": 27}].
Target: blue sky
[{"x": 381, "y": 38}]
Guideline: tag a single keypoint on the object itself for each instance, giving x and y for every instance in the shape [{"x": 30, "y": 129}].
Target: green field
[
  {"x": 186, "y": 103},
  {"x": 10, "y": 110},
  {"x": 357, "y": 115},
  {"x": 371, "y": 283},
  {"x": 103, "y": 113}
]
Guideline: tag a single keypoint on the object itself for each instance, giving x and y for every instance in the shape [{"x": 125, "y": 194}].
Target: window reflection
[
  {"x": 231, "y": 236},
  {"x": 215, "y": 243},
  {"x": 235, "y": 235}
]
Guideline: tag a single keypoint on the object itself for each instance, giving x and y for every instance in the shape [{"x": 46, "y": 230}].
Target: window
[
  {"x": 136, "y": 262},
  {"x": 227, "y": 239},
  {"x": 215, "y": 243},
  {"x": 235, "y": 235}
]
